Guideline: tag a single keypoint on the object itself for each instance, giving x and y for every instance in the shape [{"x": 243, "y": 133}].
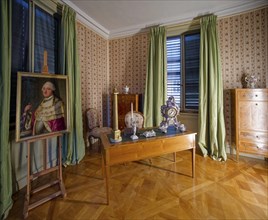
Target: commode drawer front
[
  {"x": 260, "y": 137},
  {"x": 257, "y": 148},
  {"x": 253, "y": 95}
]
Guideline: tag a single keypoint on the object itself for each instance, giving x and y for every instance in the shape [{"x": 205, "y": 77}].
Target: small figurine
[
  {"x": 126, "y": 89},
  {"x": 251, "y": 81},
  {"x": 149, "y": 133}
]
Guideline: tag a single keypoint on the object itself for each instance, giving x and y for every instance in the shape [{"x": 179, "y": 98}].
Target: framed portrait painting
[{"x": 42, "y": 105}]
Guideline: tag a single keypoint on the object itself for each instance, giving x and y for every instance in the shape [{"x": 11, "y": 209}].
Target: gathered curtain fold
[
  {"x": 211, "y": 113},
  {"x": 156, "y": 78},
  {"x": 74, "y": 149},
  {"x": 5, "y": 81}
]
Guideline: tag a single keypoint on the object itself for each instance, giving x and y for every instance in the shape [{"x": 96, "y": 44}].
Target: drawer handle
[
  {"x": 257, "y": 136},
  {"x": 256, "y": 104},
  {"x": 259, "y": 147},
  {"x": 256, "y": 95}
]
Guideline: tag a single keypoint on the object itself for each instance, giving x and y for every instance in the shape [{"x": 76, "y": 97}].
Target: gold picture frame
[{"x": 42, "y": 105}]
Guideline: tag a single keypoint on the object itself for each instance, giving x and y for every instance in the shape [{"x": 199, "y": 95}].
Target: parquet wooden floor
[{"x": 220, "y": 190}]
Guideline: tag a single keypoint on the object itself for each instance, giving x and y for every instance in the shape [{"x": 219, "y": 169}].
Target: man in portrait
[{"x": 48, "y": 116}]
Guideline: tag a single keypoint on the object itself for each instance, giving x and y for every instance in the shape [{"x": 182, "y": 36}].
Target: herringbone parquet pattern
[{"x": 220, "y": 190}]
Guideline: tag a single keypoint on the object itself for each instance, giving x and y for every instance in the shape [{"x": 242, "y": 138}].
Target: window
[
  {"x": 46, "y": 38},
  {"x": 34, "y": 29},
  {"x": 183, "y": 70}
]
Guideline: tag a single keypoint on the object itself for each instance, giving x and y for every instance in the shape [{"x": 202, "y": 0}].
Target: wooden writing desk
[{"x": 128, "y": 150}]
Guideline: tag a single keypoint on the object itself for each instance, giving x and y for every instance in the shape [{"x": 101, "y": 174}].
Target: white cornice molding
[
  {"x": 171, "y": 21},
  {"x": 132, "y": 30},
  {"x": 242, "y": 8},
  {"x": 87, "y": 20}
]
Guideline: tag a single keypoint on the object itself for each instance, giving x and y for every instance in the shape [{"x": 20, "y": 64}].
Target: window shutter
[
  {"x": 174, "y": 68},
  {"x": 192, "y": 47}
]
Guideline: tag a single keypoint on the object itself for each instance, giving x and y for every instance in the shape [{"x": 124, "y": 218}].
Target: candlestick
[{"x": 134, "y": 129}]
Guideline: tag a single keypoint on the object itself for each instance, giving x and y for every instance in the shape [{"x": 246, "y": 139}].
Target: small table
[{"x": 128, "y": 150}]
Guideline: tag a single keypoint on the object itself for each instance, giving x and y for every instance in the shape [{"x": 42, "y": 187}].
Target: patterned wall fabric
[
  {"x": 243, "y": 42},
  {"x": 243, "y": 46},
  {"x": 94, "y": 73},
  {"x": 244, "y": 50},
  {"x": 127, "y": 63}
]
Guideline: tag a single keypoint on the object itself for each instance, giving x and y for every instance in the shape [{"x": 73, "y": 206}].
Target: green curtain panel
[
  {"x": 211, "y": 119},
  {"x": 156, "y": 78},
  {"x": 70, "y": 66},
  {"x": 5, "y": 79}
]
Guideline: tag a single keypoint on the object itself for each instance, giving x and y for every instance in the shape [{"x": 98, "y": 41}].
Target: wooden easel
[
  {"x": 58, "y": 168},
  {"x": 30, "y": 177}
]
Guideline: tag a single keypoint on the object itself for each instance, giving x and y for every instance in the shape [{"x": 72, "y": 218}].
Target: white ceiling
[{"x": 113, "y": 18}]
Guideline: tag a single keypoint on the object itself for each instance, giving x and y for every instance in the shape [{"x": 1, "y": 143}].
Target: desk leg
[
  {"x": 107, "y": 176},
  {"x": 102, "y": 166},
  {"x": 193, "y": 162}
]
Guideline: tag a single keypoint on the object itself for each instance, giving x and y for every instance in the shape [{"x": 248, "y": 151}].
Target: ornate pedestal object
[{"x": 116, "y": 132}]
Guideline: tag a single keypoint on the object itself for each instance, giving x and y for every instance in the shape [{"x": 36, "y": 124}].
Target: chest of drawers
[{"x": 250, "y": 121}]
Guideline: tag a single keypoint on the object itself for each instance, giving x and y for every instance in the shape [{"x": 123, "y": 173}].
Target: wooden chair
[{"x": 94, "y": 128}]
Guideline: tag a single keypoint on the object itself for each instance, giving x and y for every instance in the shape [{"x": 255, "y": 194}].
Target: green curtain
[
  {"x": 211, "y": 119},
  {"x": 5, "y": 79},
  {"x": 156, "y": 78},
  {"x": 70, "y": 66}
]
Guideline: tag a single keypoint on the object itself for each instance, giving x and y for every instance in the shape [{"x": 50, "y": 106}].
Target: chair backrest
[
  {"x": 138, "y": 117},
  {"x": 92, "y": 118}
]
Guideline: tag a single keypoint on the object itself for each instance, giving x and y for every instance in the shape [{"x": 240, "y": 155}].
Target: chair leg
[
  {"x": 89, "y": 143},
  {"x": 90, "y": 140},
  {"x": 99, "y": 145}
]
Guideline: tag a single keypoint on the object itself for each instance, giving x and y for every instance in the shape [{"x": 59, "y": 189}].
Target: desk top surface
[{"x": 106, "y": 138}]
